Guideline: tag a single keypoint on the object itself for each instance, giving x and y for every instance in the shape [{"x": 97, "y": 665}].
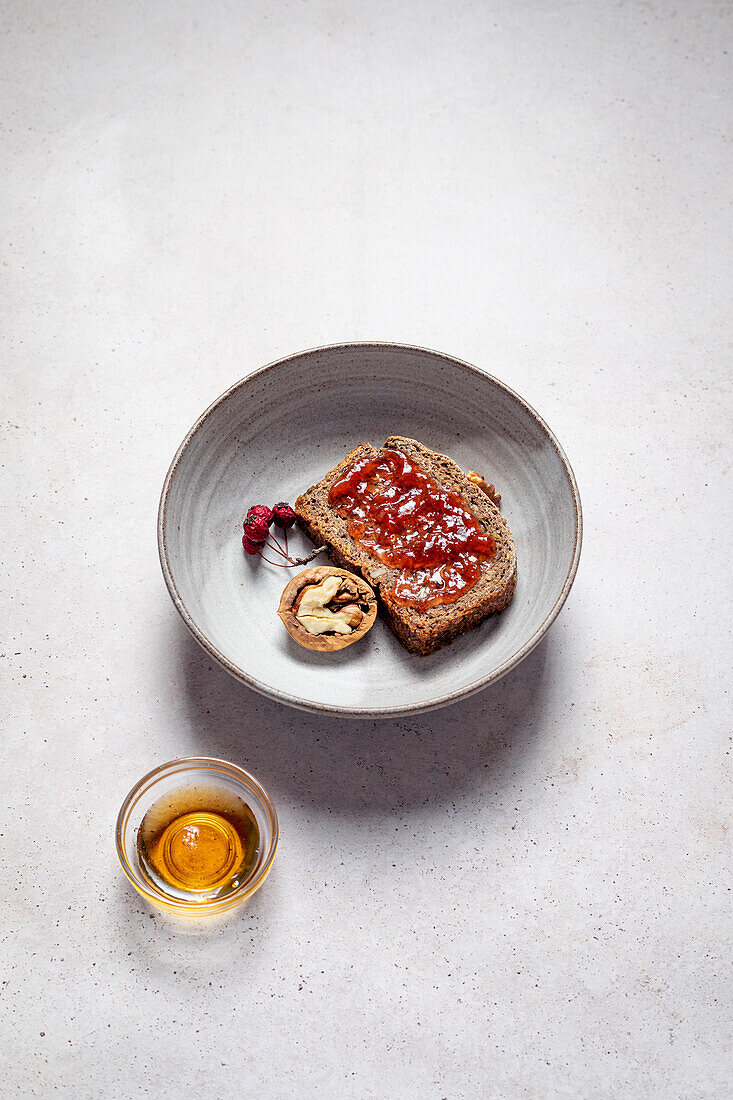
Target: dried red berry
[
  {"x": 256, "y": 529},
  {"x": 251, "y": 547},
  {"x": 283, "y": 515},
  {"x": 262, "y": 511}
]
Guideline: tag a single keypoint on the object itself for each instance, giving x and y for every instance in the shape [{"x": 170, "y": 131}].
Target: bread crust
[{"x": 421, "y": 632}]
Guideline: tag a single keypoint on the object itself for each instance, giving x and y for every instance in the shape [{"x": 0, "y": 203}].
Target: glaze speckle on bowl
[{"x": 278, "y": 431}]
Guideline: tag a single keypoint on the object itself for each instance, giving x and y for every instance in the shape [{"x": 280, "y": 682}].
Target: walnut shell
[
  {"x": 327, "y": 643},
  {"x": 480, "y": 480}
]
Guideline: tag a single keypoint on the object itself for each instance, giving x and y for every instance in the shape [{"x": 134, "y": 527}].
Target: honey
[{"x": 198, "y": 843}]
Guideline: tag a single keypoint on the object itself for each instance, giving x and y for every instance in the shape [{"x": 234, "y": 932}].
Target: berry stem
[
  {"x": 279, "y": 564},
  {"x": 311, "y": 556},
  {"x": 278, "y": 545}
]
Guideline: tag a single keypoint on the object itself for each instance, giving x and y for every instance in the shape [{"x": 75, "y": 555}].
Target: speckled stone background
[{"x": 526, "y": 895}]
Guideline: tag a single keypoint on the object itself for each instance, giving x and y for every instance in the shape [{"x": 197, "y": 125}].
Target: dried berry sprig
[
  {"x": 257, "y": 534},
  {"x": 284, "y": 516},
  {"x": 262, "y": 512},
  {"x": 256, "y": 529}
]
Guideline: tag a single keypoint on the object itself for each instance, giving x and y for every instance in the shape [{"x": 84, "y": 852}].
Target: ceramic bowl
[{"x": 278, "y": 431}]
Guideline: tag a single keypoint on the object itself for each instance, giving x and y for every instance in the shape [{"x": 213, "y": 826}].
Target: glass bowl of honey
[{"x": 197, "y": 836}]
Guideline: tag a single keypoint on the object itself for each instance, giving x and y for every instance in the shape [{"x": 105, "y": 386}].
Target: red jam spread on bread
[{"x": 403, "y": 517}]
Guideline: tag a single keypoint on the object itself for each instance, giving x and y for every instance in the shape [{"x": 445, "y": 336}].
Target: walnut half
[
  {"x": 326, "y": 609},
  {"x": 485, "y": 487}
]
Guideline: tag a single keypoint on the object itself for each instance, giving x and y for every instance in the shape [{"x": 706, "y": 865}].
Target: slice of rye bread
[{"x": 421, "y": 632}]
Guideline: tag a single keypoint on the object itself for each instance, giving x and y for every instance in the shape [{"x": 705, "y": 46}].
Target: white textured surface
[{"x": 521, "y": 896}]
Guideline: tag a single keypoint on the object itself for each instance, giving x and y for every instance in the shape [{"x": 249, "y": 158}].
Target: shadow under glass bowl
[
  {"x": 278, "y": 431},
  {"x": 195, "y": 771}
]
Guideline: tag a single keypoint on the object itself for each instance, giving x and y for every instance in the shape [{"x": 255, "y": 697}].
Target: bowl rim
[
  {"x": 372, "y": 711},
  {"x": 184, "y": 765}
]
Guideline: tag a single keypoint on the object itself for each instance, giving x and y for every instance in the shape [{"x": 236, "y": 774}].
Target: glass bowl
[{"x": 195, "y": 771}]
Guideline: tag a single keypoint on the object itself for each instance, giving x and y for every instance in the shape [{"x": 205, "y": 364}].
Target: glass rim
[{"x": 215, "y": 905}]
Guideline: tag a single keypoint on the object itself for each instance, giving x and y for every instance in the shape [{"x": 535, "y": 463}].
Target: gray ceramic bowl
[{"x": 278, "y": 431}]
